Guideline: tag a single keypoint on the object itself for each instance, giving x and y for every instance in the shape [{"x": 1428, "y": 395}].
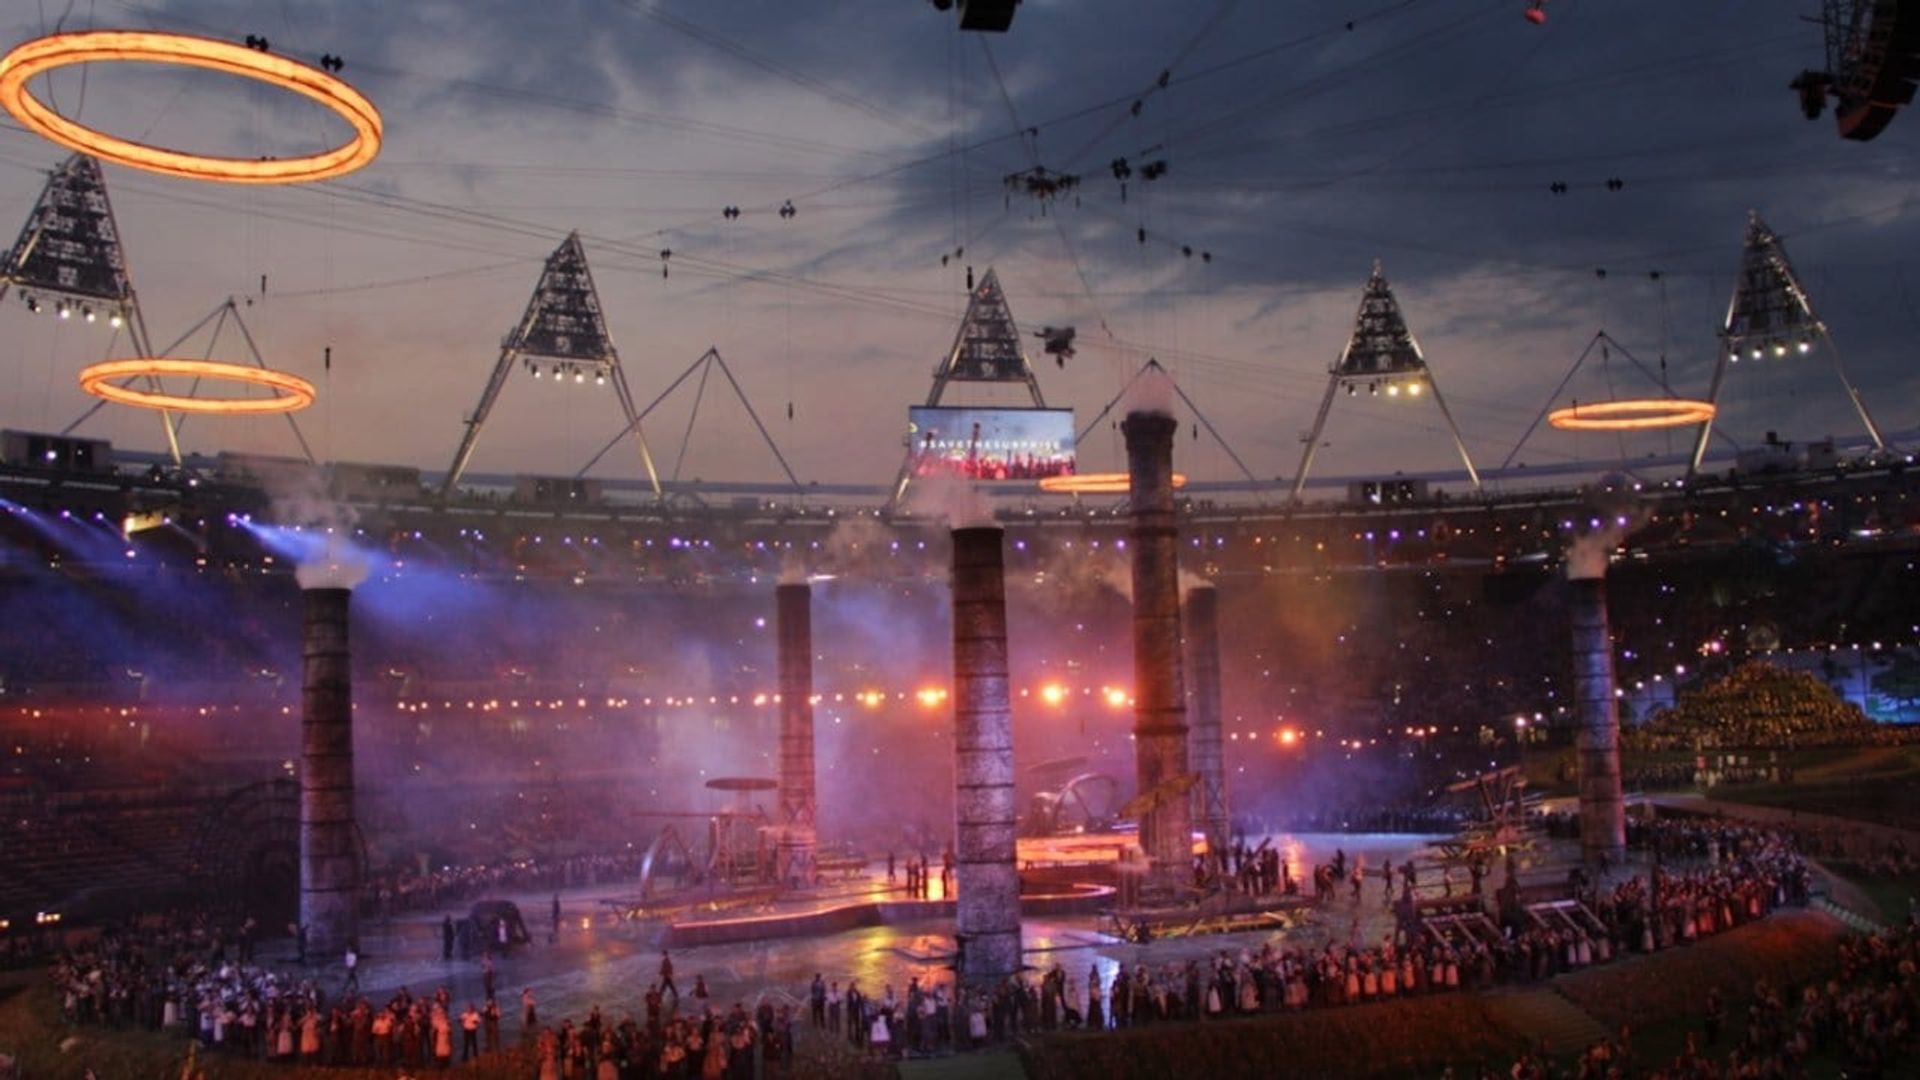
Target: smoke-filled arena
[{"x": 691, "y": 681}]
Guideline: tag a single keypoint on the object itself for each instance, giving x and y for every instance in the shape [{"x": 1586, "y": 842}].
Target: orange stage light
[
  {"x": 291, "y": 392},
  {"x": 1053, "y": 693},
  {"x": 1640, "y": 414},
  {"x": 1096, "y": 483},
  {"x": 45, "y": 54}
]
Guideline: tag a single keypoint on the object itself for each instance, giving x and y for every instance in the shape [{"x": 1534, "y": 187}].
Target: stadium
[{"x": 328, "y": 665}]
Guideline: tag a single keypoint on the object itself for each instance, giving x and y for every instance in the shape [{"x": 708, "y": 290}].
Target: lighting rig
[
  {"x": 1383, "y": 357},
  {"x": 1771, "y": 316}
]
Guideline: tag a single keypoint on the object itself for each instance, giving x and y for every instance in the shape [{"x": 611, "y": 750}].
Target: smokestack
[
  {"x": 329, "y": 836},
  {"x": 1603, "y": 816},
  {"x": 1159, "y": 688},
  {"x": 987, "y": 909},
  {"x": 1207, "y": 748},
  {"x": 798, "y": 804}
]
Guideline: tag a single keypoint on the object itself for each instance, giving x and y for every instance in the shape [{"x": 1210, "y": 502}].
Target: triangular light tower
[
  {"x": 69, "y": 249},
  {"x": 68, "y": 261},
  {"x": 1381, "y": 357},
  {"x": 562, "y": 336},
  {"x": 1771, "y": 318},
  {"x": 986, "y": 349}
]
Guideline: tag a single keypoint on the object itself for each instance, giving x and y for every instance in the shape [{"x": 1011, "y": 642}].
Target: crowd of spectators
[
  {"x": 1861, "y": 1021},
  {"x": 1759, "y": 705}
]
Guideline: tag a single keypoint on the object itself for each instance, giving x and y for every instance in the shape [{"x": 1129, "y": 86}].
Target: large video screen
[{"x": 990, "y": 444}]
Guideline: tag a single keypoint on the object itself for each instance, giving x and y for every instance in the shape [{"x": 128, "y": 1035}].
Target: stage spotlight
[
  {"x": 1393, "y": 389},
  {"x": 1779, "y": 348},
  {"x": 63, "y": 310},
  {"x": 1806, "y": 346},
  {"x": 86, "y": 313},
  {"x": 116, "y": 320},
  {"x": 579, "y": 376},
  {"x": 1758, "y": 352},
  {"x": 33, "y": 304},
  {"x": 600, "y": 379},
  {"x": 536, "y": 371},
  {"x": 1413, "y": 389}
]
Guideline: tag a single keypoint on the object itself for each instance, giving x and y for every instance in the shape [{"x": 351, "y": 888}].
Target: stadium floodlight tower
[
  {"x": 986, "y": 349},
  {"x": 68, "y": 259},
  {"x": 563, "y": 335},
  {"x": 1382, "y": 357},
  {"x": 1873, "y": 60},
  {"x": 1771, "y": 318}
]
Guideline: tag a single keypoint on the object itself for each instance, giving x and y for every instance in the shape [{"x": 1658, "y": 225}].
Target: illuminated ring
[
  {"x": 138, "y": 46},
  {"x": 1117, "y": 483},
  {"x": 1642, "y": 414},
  {"x": 291, "y": 392}
]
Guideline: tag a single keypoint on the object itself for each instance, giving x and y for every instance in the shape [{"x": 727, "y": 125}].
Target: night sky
[{"x": 1302, "y": 140}]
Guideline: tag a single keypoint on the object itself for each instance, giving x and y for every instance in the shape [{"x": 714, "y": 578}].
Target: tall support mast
[
  {"x": 1383, "y": 357},
  {"x": 562, "y": 335},
  {"x": 986, "y": 349},
  {"x": 68, "y": 259},
  {"x": 1770, "y": 318}
]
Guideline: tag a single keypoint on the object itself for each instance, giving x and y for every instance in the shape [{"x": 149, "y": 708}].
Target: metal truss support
[
  {"x": 563, "y": 329},
  {"x": 704, "y": 365}
]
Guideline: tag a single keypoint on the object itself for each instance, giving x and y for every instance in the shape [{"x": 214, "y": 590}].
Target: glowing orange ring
[
  {"x": 291, "y": 392},
  {"x": 138, "y": 46},
  {"x": 1096, "y": 483},
  {"x": 1642, "y": 414}
]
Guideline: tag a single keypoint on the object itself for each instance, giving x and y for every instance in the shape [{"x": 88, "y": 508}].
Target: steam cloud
[
  {"x": 953, "y": 499},
  {"x": 300, "y": 499},
  {"x": 1618, "y": 510},
  {"x": 1152, "y": 391}
]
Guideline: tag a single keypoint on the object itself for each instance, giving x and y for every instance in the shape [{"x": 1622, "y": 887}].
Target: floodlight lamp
[
  {"x": 65, "y": 311},
  {"x": 536, "y": 371},
  {"x": 1806, "y": 346},
  {"x": 1413, "y": 389},
  {"x": 1393, "y": 389},
  {"x": 579, "y": 376},
  {"x": 87, "y": 313},
  {"x": 1758, "y": 352},
  {"x": 1779, "y": 348},
  {"x": 116, "y": 320},
  {"x": 600, "y": 379}
]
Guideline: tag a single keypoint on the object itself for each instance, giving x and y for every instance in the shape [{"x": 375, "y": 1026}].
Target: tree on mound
[{"x": 1758, "y": 704}]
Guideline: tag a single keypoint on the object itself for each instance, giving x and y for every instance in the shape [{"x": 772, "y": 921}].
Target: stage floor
[{"x": 598, "y": 959}]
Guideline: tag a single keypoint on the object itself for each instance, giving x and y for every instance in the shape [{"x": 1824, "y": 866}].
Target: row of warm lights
[
  {"x": 1777, "y": 346},
  {"x": 1393, "y": 387},
  {"x": 561, "y": 371},
  {"x": 1054, "y": 694},
  {"x": 66, "y": 310}
]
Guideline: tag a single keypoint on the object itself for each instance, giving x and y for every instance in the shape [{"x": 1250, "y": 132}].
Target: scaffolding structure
[
  {"x": 986, "y": 349},
  {"x": 563, "y": 333},
  {"x": 1770, "y": 316},
  {"x": 1382, "y": 356},
  {"x": 68, "y": 254}
]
